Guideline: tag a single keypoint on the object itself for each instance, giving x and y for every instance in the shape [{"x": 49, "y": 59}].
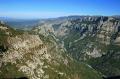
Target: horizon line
[{"x": 10, "y": 17}]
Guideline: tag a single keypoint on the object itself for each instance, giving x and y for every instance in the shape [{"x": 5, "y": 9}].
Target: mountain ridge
[
  {"x": 72, "y": 47},
  {"x": 91, "y": 39}
]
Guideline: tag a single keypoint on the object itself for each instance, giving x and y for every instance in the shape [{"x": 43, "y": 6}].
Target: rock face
[
  {"x": 40, "y": 56},
  {"x": 91, "y": 39},
  {"x": 25, "y": 52}
]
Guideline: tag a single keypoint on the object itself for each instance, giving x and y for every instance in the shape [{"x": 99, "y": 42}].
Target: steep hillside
[
  {"x": 37, "y": 56},
  {"x": 91, "y": 39}
]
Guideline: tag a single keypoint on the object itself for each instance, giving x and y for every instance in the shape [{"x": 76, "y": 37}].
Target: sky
[{"x": 57, "y": 8}]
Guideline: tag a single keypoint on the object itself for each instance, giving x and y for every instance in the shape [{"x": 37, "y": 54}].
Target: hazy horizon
[{"x": 25, "y": 18}]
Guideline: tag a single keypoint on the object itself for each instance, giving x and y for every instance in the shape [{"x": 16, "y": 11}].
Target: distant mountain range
[{"x": 30, "y": 23}]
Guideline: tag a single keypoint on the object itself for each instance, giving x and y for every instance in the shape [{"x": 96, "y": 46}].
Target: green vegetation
[
  {"x": 109, "y": 63},
  {"x": 10, "y": 71},
  {"x": 73, "y": 70}
]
